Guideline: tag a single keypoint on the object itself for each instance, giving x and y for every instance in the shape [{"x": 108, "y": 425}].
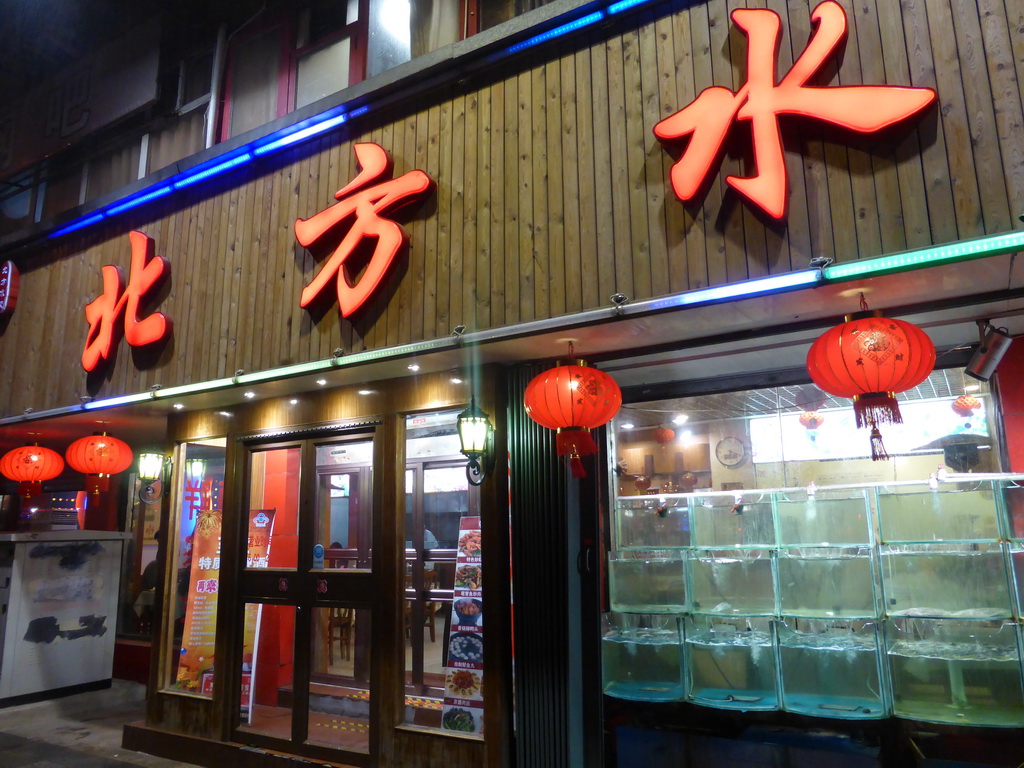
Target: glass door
[{"x": 306, "y": 583}]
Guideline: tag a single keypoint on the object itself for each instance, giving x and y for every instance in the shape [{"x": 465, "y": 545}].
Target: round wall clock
[{"x": 731, "y": 451}]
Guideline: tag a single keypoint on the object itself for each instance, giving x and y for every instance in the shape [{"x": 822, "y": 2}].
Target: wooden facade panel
[{"x": 552, "y": 194}]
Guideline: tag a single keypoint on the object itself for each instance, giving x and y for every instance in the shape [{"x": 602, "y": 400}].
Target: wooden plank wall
[{"x": 552, "y": 194}]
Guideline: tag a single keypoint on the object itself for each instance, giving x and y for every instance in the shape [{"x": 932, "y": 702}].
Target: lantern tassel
[
  {"x": 576, "y": 440},
  {"x": 576, "y": 466},
  {"x": 874, "y": 408},
  {"x": 877, "y": 447}
]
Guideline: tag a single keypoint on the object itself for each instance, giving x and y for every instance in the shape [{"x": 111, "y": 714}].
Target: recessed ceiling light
[
  {"x": 250, "y": 395},
  {"x": 413, "y": 367},
  {"x": 972, "y": 387},
  {"x": 294, "y": 401},
  {"x": 455, "y": 380},
  {"x": 626, "y": 425},
  {"x": 178, "y": 406},
  {"x": 682, "y": 418},
  {"x": 224, "y": 413},
  {"x": 321, "y": 382},
  {"x": 365, "y": 391}
]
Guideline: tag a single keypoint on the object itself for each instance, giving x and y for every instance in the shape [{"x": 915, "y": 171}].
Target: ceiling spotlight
[
  {"x": 413, "y": 367},
  {"x": 626, "y": 425},
  {"x": 250, "y": 395},
  {"x": 365, "y": 391},
  {"x": 226, "y": 414},
  {"x": 455, "y": 380},
  {"x": 682, "y": 418},
  {"x": 972, "y": 387},
  {"x": 322, "y": 382},
  {"x": 294, "y": 401},
  {"x": 178, "y": 406}
]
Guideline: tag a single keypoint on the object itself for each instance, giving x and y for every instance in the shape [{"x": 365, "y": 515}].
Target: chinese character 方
[
  {"x": 365, "y": 207},
  {"x": 706, "y": 120},
  {"x": 104, "y": 314}
]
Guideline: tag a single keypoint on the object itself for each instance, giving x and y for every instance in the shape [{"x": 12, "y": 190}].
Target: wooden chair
[
  {"x": 339, "y": 627},
  {"x": 430, "y": 608}
]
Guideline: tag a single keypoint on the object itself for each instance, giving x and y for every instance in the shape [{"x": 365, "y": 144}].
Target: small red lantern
[
  {"x": 965, "y": 405},
  {"x": 663, "y": 436},
  {"x": 98, "y": 457},
  {"x": 30, "y": 465},
  {"x": 811, "y": 420},
  {"x": 642, "y": 482},
  {"x": 870, "y": 358},
  {"x": 573, "y": 398}
]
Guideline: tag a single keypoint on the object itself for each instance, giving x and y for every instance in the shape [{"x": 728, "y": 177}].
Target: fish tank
[
  {"x": 730, "y": 662},
  {"x": 857, "y": 601},
  {"x": 642, "y": 657},
  {"x": 831, "y": 669}
]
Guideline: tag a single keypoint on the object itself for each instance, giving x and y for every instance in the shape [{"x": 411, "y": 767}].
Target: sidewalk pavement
[{"x": 79, "y": 731}]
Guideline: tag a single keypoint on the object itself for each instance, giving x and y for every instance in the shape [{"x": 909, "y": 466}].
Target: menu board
[{"x": 464, "y": 677}]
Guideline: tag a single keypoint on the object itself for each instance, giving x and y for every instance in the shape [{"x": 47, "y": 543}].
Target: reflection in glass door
[{"x": 306, "y": 588}]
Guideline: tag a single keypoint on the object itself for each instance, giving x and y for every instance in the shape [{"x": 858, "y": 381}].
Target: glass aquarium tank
[
  {"x": 778, "y": 598},
  {"x": 642, "y": 657},
  {"x": 733, "y": 582},
  {"x": 731, "y": 662},
  {"x": 831, "y": 669},
  {"x": 647, "y": 581},
  {"x": 949, "y": 671},
  {"x": 827, "y": 582}
]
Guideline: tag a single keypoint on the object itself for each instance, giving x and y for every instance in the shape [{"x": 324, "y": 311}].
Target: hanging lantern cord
[
  {"x": 863, "y": 303},
  {"x": 572, "y": 351}
]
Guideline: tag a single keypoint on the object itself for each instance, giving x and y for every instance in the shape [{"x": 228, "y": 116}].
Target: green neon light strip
[
  {"x": 188, "y": 389},
  {"x": 927, "y": 257}
]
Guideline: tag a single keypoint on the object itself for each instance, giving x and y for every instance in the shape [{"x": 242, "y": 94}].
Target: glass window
[
  {"x": 322, "y": 72},
  {"x": 443, "y": 598},
  {"x": 344, "y": 503},
  {"x": 790, "y": 436},
  {"x": 268, "y": 669},
  {"x": 339, "y": 688},
  {"x": 195, "y": 554},
  {"x": 253, "y": 90},
  {"x": 274, "y": 508}
]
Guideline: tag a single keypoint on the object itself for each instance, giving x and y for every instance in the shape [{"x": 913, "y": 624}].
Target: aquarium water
[
  {"x": 733, "y": 583},
  {"x": 831, "y": 675},
  {"x": 826, "y": 583},
  {"x": 643, "y": 665},
  {"x": 655, "y": 585},
  {"x": 732, "y": 670}
]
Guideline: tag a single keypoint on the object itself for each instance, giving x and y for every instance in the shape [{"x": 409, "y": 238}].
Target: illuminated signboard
[
  {"x": 760, "y": 101},
  {"x": 9, "y": 279}
]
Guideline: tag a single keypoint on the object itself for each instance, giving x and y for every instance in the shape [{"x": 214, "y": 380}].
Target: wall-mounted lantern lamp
[
  {"x": 153, "y": 467},
  {"x": 196, "y": 470},
  {"x": 477, "y": 438}
]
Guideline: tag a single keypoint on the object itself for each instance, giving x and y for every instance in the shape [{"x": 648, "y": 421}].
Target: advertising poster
[
  {"x": 195, "y": 665},
  {"x": 464, "y": 677}
]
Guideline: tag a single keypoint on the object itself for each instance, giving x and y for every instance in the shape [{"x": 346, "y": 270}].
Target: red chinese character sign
[
  {"x": 760, "y": 101},
  {"x": 364, "y": 207},
  {"x": 118, "y": 306}
]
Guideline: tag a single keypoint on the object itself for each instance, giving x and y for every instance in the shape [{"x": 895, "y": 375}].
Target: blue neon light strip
[
  {"x": 142, "y": 199},
  {"x": 304, "y": 133},
  {"x": 624, "y": 5},
  {"x": 213, "y": 170},
  {"x": 558, "y": 31},
  {"x": 78, "y": 224},
  {"x": 742, "y": 290}
]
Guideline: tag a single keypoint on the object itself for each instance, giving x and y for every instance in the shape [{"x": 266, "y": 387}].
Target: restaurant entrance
[{"x": 307, "y": 682}]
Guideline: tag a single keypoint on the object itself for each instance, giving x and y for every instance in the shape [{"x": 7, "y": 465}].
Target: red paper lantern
[
  {"x": 965, "y": 405},
  {"x": 30, "y": 465},
  {"x": 811, "y": 419},
  {"x": 664, "y": 435},
  {"x": 573, "y": 398},
  {"x": 98, "y": 457},
  {"x": 870, "y": 358},
  {"x": 642, "y": 482}
]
